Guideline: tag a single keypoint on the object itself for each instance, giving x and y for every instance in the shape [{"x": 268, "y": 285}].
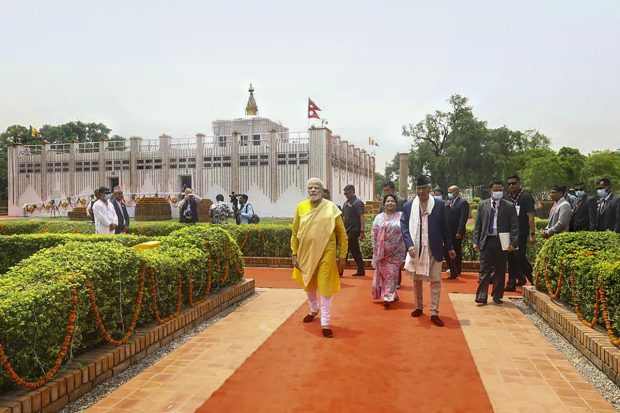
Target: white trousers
[{"x": 326, "y": 306}]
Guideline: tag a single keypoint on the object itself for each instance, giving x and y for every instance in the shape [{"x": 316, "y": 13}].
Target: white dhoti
[{"x": 326, "y": 306}]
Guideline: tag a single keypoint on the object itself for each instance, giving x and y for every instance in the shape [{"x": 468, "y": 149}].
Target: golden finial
[{"x": 251, "y": 109}]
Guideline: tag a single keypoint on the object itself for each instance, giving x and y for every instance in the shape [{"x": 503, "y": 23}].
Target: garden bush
[
  {"x": 35, "y": 294},
  {"x": 589, "y": 257},
  {"x": 14, "y": 248}
]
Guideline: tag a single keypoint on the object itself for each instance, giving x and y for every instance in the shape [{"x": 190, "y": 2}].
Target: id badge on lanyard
[{"x": 518, "y": 208}]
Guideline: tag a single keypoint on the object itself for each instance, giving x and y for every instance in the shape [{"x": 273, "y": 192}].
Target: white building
[{"x": 251, "y": 155}]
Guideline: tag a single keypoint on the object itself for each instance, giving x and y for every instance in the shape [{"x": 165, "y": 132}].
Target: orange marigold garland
[
  {"x": 61, "y": 356},
  {"x": 555, "y": 294},
  {"x": 154, "y": 299},
  {"x": 610, "y": 331},
  {"x": 592, "y": 323},
  {"x": 136, "y": 314}
]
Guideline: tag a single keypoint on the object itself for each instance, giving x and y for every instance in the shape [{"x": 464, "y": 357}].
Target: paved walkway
[{"x": 262, "y": 358}]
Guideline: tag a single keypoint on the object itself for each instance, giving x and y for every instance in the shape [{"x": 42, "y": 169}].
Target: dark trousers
[
  {"x": 492, "y": 265},
  {"x": 519, "y": 268},
  {"x": 354, "y": 250},
  {"x": 456, "y": 263}
]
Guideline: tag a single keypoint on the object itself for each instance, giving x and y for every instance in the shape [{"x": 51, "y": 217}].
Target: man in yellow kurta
[{"x": 317, "y": 230}]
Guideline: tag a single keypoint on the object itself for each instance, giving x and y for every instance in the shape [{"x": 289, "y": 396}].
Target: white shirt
[
  {"x": 495, "y": 217},
  {"x": 104, "y": 216}
]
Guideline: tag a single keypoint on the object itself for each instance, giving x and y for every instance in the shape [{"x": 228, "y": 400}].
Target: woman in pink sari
[{"x": 388, "y": 252}]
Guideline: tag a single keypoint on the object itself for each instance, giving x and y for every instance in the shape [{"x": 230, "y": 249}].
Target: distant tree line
[
  {"x": 457, "y": 148},
  {"x": 68, "y": 132}
]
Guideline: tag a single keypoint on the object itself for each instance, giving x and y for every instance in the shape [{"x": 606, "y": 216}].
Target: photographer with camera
[
  {"x": 246, "y": 212},
  {"x": 235, "y": 207},
  {"x": 188, "y": 207}
]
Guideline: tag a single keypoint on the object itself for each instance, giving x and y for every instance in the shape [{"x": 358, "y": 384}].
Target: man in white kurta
[{"x": 105, "y": 215}]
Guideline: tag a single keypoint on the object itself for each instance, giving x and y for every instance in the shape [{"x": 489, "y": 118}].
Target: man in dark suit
[
  {"x": 584, "y": 210},
  {"x": 608, "y": 210},
  {"x": 495, "y": 216},
  {"x": 425, "y": 233},
  {"x": 457, "y": 212},
  {"x": 121, "y": 211}
]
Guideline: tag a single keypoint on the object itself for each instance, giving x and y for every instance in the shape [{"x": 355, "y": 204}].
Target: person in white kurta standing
[{"x": 105, "y": 216}]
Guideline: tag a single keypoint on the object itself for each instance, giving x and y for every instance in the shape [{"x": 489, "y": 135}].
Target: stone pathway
[
  {"x": 511, "y": 361},
  {"x": 184, "y": 379},
  {"x": 520, "y": 369}
]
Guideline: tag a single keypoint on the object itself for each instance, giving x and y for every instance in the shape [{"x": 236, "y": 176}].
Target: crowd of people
[
  {"x": 418, "y": 235},
  {"x": 108, "y": 210}
]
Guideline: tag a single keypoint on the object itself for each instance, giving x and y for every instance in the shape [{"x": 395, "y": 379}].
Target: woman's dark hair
[
  {"x": 219, "y": 197},
  {"x": 390, "y": 196}
]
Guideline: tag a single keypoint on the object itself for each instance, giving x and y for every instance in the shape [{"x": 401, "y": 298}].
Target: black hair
[
  {"x": 514, "y": 177},
  {"x": 496, "y": 182},
  {"x": 390, "y": 196},
  {"x": 390, "y": 185},
  {"x": 219, "y": 197},
  {"x": 349, "y": 188},
  {"x": 604, "y": 181}
]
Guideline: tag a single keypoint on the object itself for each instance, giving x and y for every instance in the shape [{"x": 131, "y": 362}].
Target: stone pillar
[
  {"x": 103, "y": 148},
  {"x": 13, "y": 181},
  {"x": 134, "y": 154},
  {"x": 403, "y": 175},
  {"x": 373, "y": 178},
  {"x": 273, "y": 167},
  {"x": 319, "y": 156},
  {"x": 200, "y": 186},
  {"x": 234, "y": 162},
  {"x": 72, "y": 186},
  {"x": 45, "y": 193},
  {"x": 163, "y": 185}
]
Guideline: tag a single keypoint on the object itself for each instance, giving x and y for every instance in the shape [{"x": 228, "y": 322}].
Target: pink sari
[{"x": 388, "y": 253}]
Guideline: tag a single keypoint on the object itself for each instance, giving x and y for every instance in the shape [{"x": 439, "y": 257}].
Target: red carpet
[{"x": 378, "y": 360}]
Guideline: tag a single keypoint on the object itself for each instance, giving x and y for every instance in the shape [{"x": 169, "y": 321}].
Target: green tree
[
  {"x": 379, "y": 181},
  {"x": 603, "y": 164},
  {"x": 14, "y": 133}
]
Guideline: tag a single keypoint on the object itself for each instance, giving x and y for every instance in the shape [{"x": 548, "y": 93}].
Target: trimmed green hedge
[
  {"x": 83, "y": 227},
  {"x": 14, "y": 248},
  {"x": 591, "y": 257},
  {"x": 35, "y": 294}
]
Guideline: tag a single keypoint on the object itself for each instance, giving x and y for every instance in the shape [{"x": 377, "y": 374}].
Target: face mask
[
  {"x": 497, "y": 195},
  {"x": 602, "y": 193},
  {"x": 580, "y": 193},
  {"x": 450, "y": 196},
  {"x": 438, "y": 198}
]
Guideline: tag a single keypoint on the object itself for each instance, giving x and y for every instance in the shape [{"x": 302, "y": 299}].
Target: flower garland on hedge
[
  {"x": 610, "y": 331},
  {"x": 136, "y": 314},
  {"x": 61, "y": 356},
  {"x": 573, "y": 285},
  {"x": 154, "y": 299}
]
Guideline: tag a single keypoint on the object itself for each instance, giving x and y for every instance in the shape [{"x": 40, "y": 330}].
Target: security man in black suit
[
  {"x": 608, "y": 210},
  {"x": 584, "y": 210},
  {"x": 457, "y": 213}
]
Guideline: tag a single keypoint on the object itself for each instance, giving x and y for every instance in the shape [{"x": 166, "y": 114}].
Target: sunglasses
[{"x": 512, "y": 183}]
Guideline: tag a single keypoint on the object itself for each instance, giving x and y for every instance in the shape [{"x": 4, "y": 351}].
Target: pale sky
[{"x": 150, "y": 67}]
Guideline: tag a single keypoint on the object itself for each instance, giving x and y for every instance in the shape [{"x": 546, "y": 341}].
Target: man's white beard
[{"x": 314, "y": 197}]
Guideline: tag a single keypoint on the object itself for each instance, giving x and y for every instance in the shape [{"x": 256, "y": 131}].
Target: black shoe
[
  {"x": 452, "y": 277},
  {"x": 480, "y": 302},
  {"x": 359, "y": 274},
  {"x": 416, "y": 313},
  {"x": 437, "y": 321},
  {"x": 498, "y": 301},
  {"x": 511, "y": 289}
]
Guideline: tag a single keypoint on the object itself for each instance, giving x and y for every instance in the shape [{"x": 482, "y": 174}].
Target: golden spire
[{"x": 251, "y": 109}]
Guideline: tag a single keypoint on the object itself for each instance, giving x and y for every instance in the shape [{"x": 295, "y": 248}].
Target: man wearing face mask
[
  {"x": 584, "y": 210},
  {"x": 106, "y": 220},
  {"x": 495, "y": 215},
  {"x": 560, "y": 215},
  {"x": 608, "y": 210},
  {"x": 457, "y": 211},
  {"x": 519, "y": 267}
]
